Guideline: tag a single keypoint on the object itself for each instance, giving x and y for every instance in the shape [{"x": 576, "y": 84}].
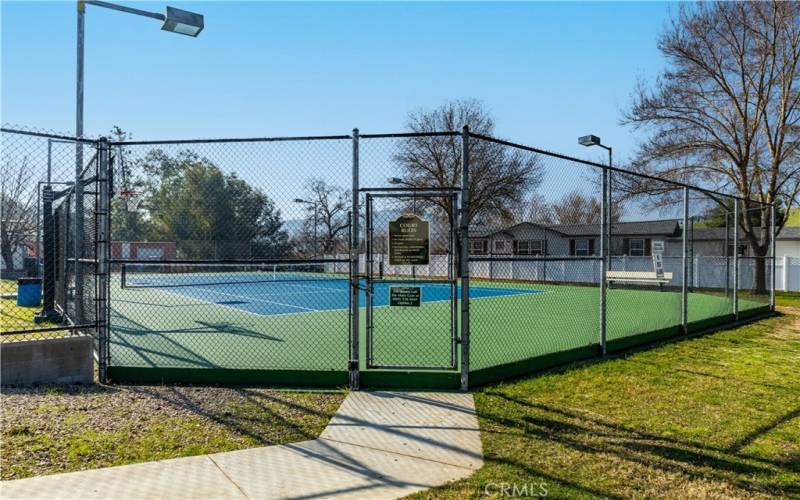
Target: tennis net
[{"x": 171, "y": 275}]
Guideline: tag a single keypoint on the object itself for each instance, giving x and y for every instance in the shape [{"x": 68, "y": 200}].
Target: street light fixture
[
  {"x": 183, "y": 22},
  {"x": 593, "y": 140},
  {"x": 314, "y": 204},
  {"x": 175, "y": 20}
]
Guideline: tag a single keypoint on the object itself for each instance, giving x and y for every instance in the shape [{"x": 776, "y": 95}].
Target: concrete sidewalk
[{"x": 377, "y": 445}]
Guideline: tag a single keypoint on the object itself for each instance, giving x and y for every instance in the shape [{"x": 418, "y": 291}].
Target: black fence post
[
  {"x": 353, "y": 364},
  {"x": 464, "y": 258},
  {"x": 48, "y": 311}
]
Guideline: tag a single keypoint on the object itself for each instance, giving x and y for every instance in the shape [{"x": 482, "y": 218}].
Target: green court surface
[{"x": 160, "y": 334}]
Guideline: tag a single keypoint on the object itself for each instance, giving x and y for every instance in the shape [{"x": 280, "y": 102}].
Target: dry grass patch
[{"x": 50, "y": 430}]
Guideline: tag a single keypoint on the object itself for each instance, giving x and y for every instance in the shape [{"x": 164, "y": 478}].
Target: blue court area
[{"x": 301, "y": 296}]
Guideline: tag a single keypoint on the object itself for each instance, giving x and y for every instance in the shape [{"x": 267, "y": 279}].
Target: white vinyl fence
[
  {"x": 787, "y": 274},
  {"x": 705, "y": 272}
]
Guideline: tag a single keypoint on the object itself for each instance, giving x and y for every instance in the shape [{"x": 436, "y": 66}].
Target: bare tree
[
  {"x": 725, "y": 113},
  {"x": 538, "y": 211},
  {"x": 18, "y": 207},
  {"x": 500, "y": 177},
  {"x": 577, "y": 208},
  {"x": 332, "y": 204}
]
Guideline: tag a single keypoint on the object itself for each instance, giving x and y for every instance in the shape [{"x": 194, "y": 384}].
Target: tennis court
[
  {"x": 268, "y": 292},
  {"x": 205, "y": 261},
  {"x": 261, "y": 321}
]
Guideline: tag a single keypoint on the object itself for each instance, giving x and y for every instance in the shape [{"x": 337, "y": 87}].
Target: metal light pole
[
  {"x": 175, "y": 20},
  {"x": 605, "y": 232},
  {"x": 316, "y": 223}
]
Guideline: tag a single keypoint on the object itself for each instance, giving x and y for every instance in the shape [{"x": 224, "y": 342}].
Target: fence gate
[{"x": 411, "y": 279}]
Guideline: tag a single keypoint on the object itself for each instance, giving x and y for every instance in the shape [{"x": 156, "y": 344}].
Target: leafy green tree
[
  {"x": 211, "y": 215},
  {"x": 126, "y": 225}
]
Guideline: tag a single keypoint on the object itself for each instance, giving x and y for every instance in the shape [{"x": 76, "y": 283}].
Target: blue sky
[{"x": 548, "y": 72}]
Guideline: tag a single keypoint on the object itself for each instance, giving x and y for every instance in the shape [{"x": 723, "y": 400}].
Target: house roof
[
  {"x": 644, "y": 228},
  {"x": 669, "y": 228},
  {"x": 789, "y": 233}
]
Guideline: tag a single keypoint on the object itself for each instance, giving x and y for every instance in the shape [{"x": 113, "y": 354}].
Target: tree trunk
[
  {"x": 8, "y": 257},
  {"x": 760, "y": 270}
]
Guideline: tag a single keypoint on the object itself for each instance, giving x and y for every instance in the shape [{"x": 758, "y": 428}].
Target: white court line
[
  {"x": 207, "y": 303},
  {"x": 313, "y": 286},
  {"x": 256, "y": 283}
]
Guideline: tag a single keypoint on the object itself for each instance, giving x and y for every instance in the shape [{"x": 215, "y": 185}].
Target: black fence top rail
[
  {"x": 444, "y": 133},
  {"x": 231, "y": 140},
  {"x": 410, "y": 189},
  {"x": 48, "y": 135},
  {"x": 677, "y": 184}
]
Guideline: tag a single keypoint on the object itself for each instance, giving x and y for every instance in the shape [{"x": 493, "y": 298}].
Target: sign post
[{"x": 658, "y": 258}]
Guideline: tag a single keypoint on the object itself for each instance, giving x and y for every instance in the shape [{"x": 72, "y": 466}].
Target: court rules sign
[{"x": 409, "y": 241}]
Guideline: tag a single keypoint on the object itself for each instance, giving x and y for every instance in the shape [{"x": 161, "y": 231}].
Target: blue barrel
[{"x": 29, "y": 292}]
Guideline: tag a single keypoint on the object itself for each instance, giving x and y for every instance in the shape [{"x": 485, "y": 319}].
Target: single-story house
[
  {"x": 528, "y": 238},
  {"x": 633, "y": 239}
]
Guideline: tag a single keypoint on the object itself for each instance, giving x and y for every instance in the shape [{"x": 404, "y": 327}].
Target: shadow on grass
[
  {"x": 590, "y": 435},
  {"x": 247, "y": 426}
]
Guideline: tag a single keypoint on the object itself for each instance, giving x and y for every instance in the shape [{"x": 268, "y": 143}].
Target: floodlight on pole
[
  {"x": 605, "y": 231},
  {"x": 175, "y": 20},
  {"x": 593, "y": 140},
  {"x": 589, "y": 140},
  {"x": 183, "y": 22}
]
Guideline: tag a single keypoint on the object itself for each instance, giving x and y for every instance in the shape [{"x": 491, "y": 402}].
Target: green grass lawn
[
  {"x": 788, "y": 299},
  {"x": 794, "y": 218},
  {"x": 49, "y": 430},
  {"x": 714, "y": 416},
  {"x": 14, "y": 317}
]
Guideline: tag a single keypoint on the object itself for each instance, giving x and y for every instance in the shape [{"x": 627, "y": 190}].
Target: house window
[
  {"x": 530, "y": 247},
  {"x": 636, "y": 247},
  {"x": 477, "y": 247},
  {"x": 582, "y": 248},
  {"x": 500, "y": 246}
]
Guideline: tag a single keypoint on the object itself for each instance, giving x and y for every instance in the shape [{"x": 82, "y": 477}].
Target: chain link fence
[
  {"x": 40, "y": 294},
  {"x": 436, "y": 259},
  {"x": 232, "y": 257}
]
